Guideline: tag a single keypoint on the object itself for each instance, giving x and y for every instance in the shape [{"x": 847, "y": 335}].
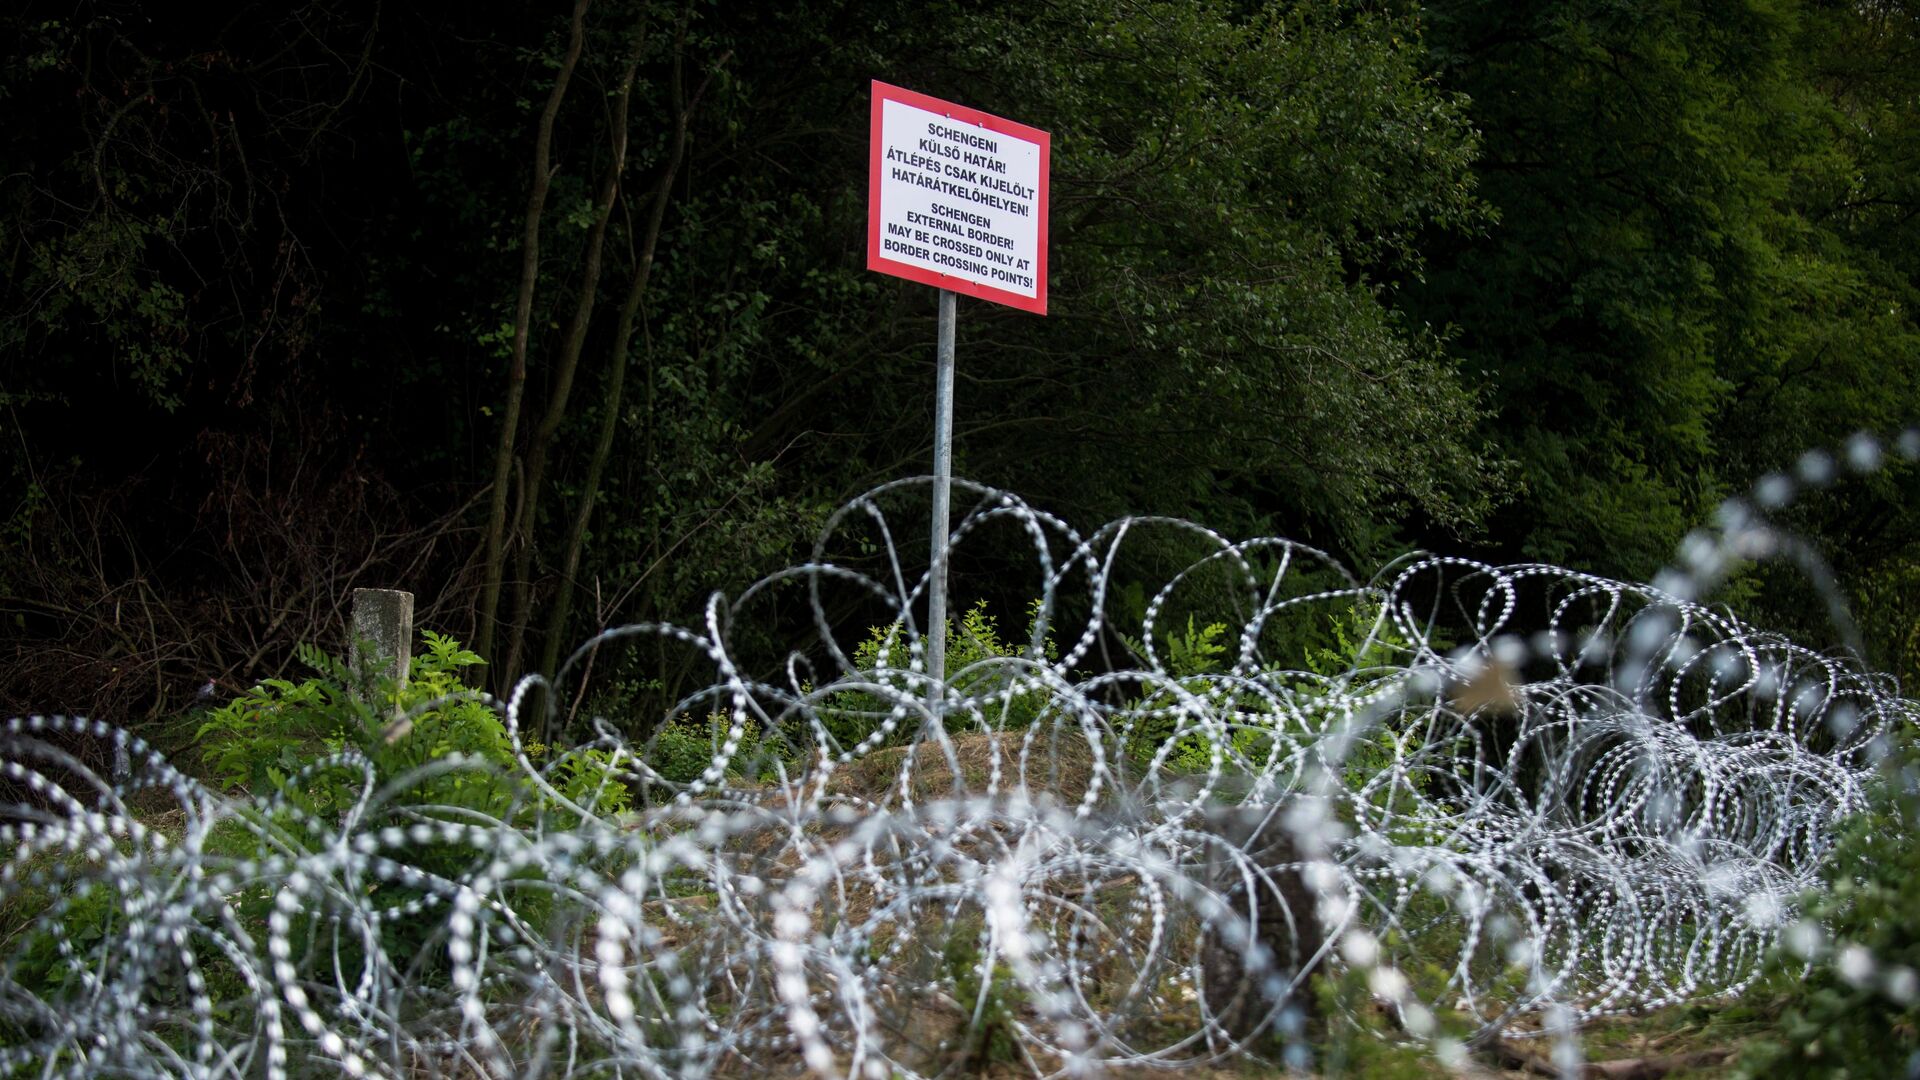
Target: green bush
[
  {"x": 979, "y": 665},
  {"x": 683, "y": 747},
  {"x": 280, "y": 729},
  {"x": 274, "y": 738},
  {"x": 991, "y": 994},
  {"x": 1352, "y": 649},
  {"x": 1839, "y": 1018},
  {"x": 275, "y": 741},
  {"x": 55, "y": 936},
  {"x": 1191, "y": 657},
  {"x": 591, "y": 779}
]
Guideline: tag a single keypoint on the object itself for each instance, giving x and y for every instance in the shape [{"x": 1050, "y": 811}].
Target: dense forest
[{"x": 559, "y": 318}]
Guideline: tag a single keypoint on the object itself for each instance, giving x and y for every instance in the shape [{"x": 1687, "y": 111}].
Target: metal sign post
[
  {"x": 956, "y": 199},
  {"x": 942, "y": 499}
]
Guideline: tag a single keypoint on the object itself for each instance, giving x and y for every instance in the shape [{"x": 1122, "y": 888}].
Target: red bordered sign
[{"x": 957, "y": 199}]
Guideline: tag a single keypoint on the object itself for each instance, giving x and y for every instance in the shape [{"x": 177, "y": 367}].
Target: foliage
[
  {"x": 1195, "y": 651},
  {"x": 979, "y": 664},
  {"x": 1853, "y": 1014},
  {"x": 1360, "y": 1038},
  {"x": 1546, "y": 278},
  {"x": 990, "y": 993},
  {"x": 683, "y": 748},
  {"x": 1550, "y": 278},
  {"x": 435, "y": 746},
  {"x": 1690, "y": 284},
  {"x": 1188, "y": 657},
  {"x": 274, "y": 738},
  {"x": 1889, "y": 612},
  {"x": 173, "y": 170},
  {"x": 1233, "y": 183},
  {"x": 591, "y": 778},
  {"x": 1242, "y": 179},
  {"x": 58, "y": 949},
  {"x": 275, "y": 732},
  {"x": 1354, "y": 645},
  {"x": 1365, "y": 649}
]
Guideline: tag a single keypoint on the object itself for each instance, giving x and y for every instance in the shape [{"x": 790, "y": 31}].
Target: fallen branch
[{"x": 1510, "y": 1056}]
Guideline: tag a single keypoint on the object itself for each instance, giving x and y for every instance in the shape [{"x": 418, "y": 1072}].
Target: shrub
[
  {"x": 979, "y": 665},
  {"x": 1190, "y": 657},
  {"x": 1857, "y": 1014},
  {"x": 683, "y": 748},
  {"x": 307, "y": 745},
  {"x": 276, "y": 739},
  {"x": 1354, "y": 653},
  {"x": 281, "y": 729}
]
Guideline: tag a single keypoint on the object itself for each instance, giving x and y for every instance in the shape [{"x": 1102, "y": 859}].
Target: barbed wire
[{"x": 1509, "y": 799}]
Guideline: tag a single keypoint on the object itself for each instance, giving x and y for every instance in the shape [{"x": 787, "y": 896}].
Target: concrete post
[{"x": 383, "y": 624}]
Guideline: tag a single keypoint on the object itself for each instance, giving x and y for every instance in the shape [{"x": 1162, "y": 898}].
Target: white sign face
[{"x": 957, "y": 199}]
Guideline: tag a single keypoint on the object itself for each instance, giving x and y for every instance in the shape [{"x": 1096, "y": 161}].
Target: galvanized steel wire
[{"x": 1582, "y": 795}]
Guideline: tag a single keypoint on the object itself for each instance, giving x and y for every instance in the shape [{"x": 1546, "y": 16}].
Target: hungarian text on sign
[{"x": 958, "y": 199}]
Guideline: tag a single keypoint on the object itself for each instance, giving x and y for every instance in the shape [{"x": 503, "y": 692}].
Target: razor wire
[{"x": 1583, "y": 796}]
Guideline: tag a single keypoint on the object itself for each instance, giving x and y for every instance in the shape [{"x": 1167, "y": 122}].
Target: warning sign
[{"x": 957, "y": 199}]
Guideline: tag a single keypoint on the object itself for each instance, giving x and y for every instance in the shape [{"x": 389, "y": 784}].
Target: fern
[
  {"x": 276, "y": 731},
  {"x": 1194, "y": 652},
  {"x": 979, "y": 665}
]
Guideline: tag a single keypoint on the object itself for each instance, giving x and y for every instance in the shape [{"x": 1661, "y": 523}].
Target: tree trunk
[
  {"x": 569, "y": 363},
  {"x": 623, "y": 334},
  {"x": 522, "y": 322}
]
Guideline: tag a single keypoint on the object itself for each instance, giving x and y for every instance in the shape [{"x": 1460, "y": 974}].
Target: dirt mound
[{"x": 1053, "y": 764}]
